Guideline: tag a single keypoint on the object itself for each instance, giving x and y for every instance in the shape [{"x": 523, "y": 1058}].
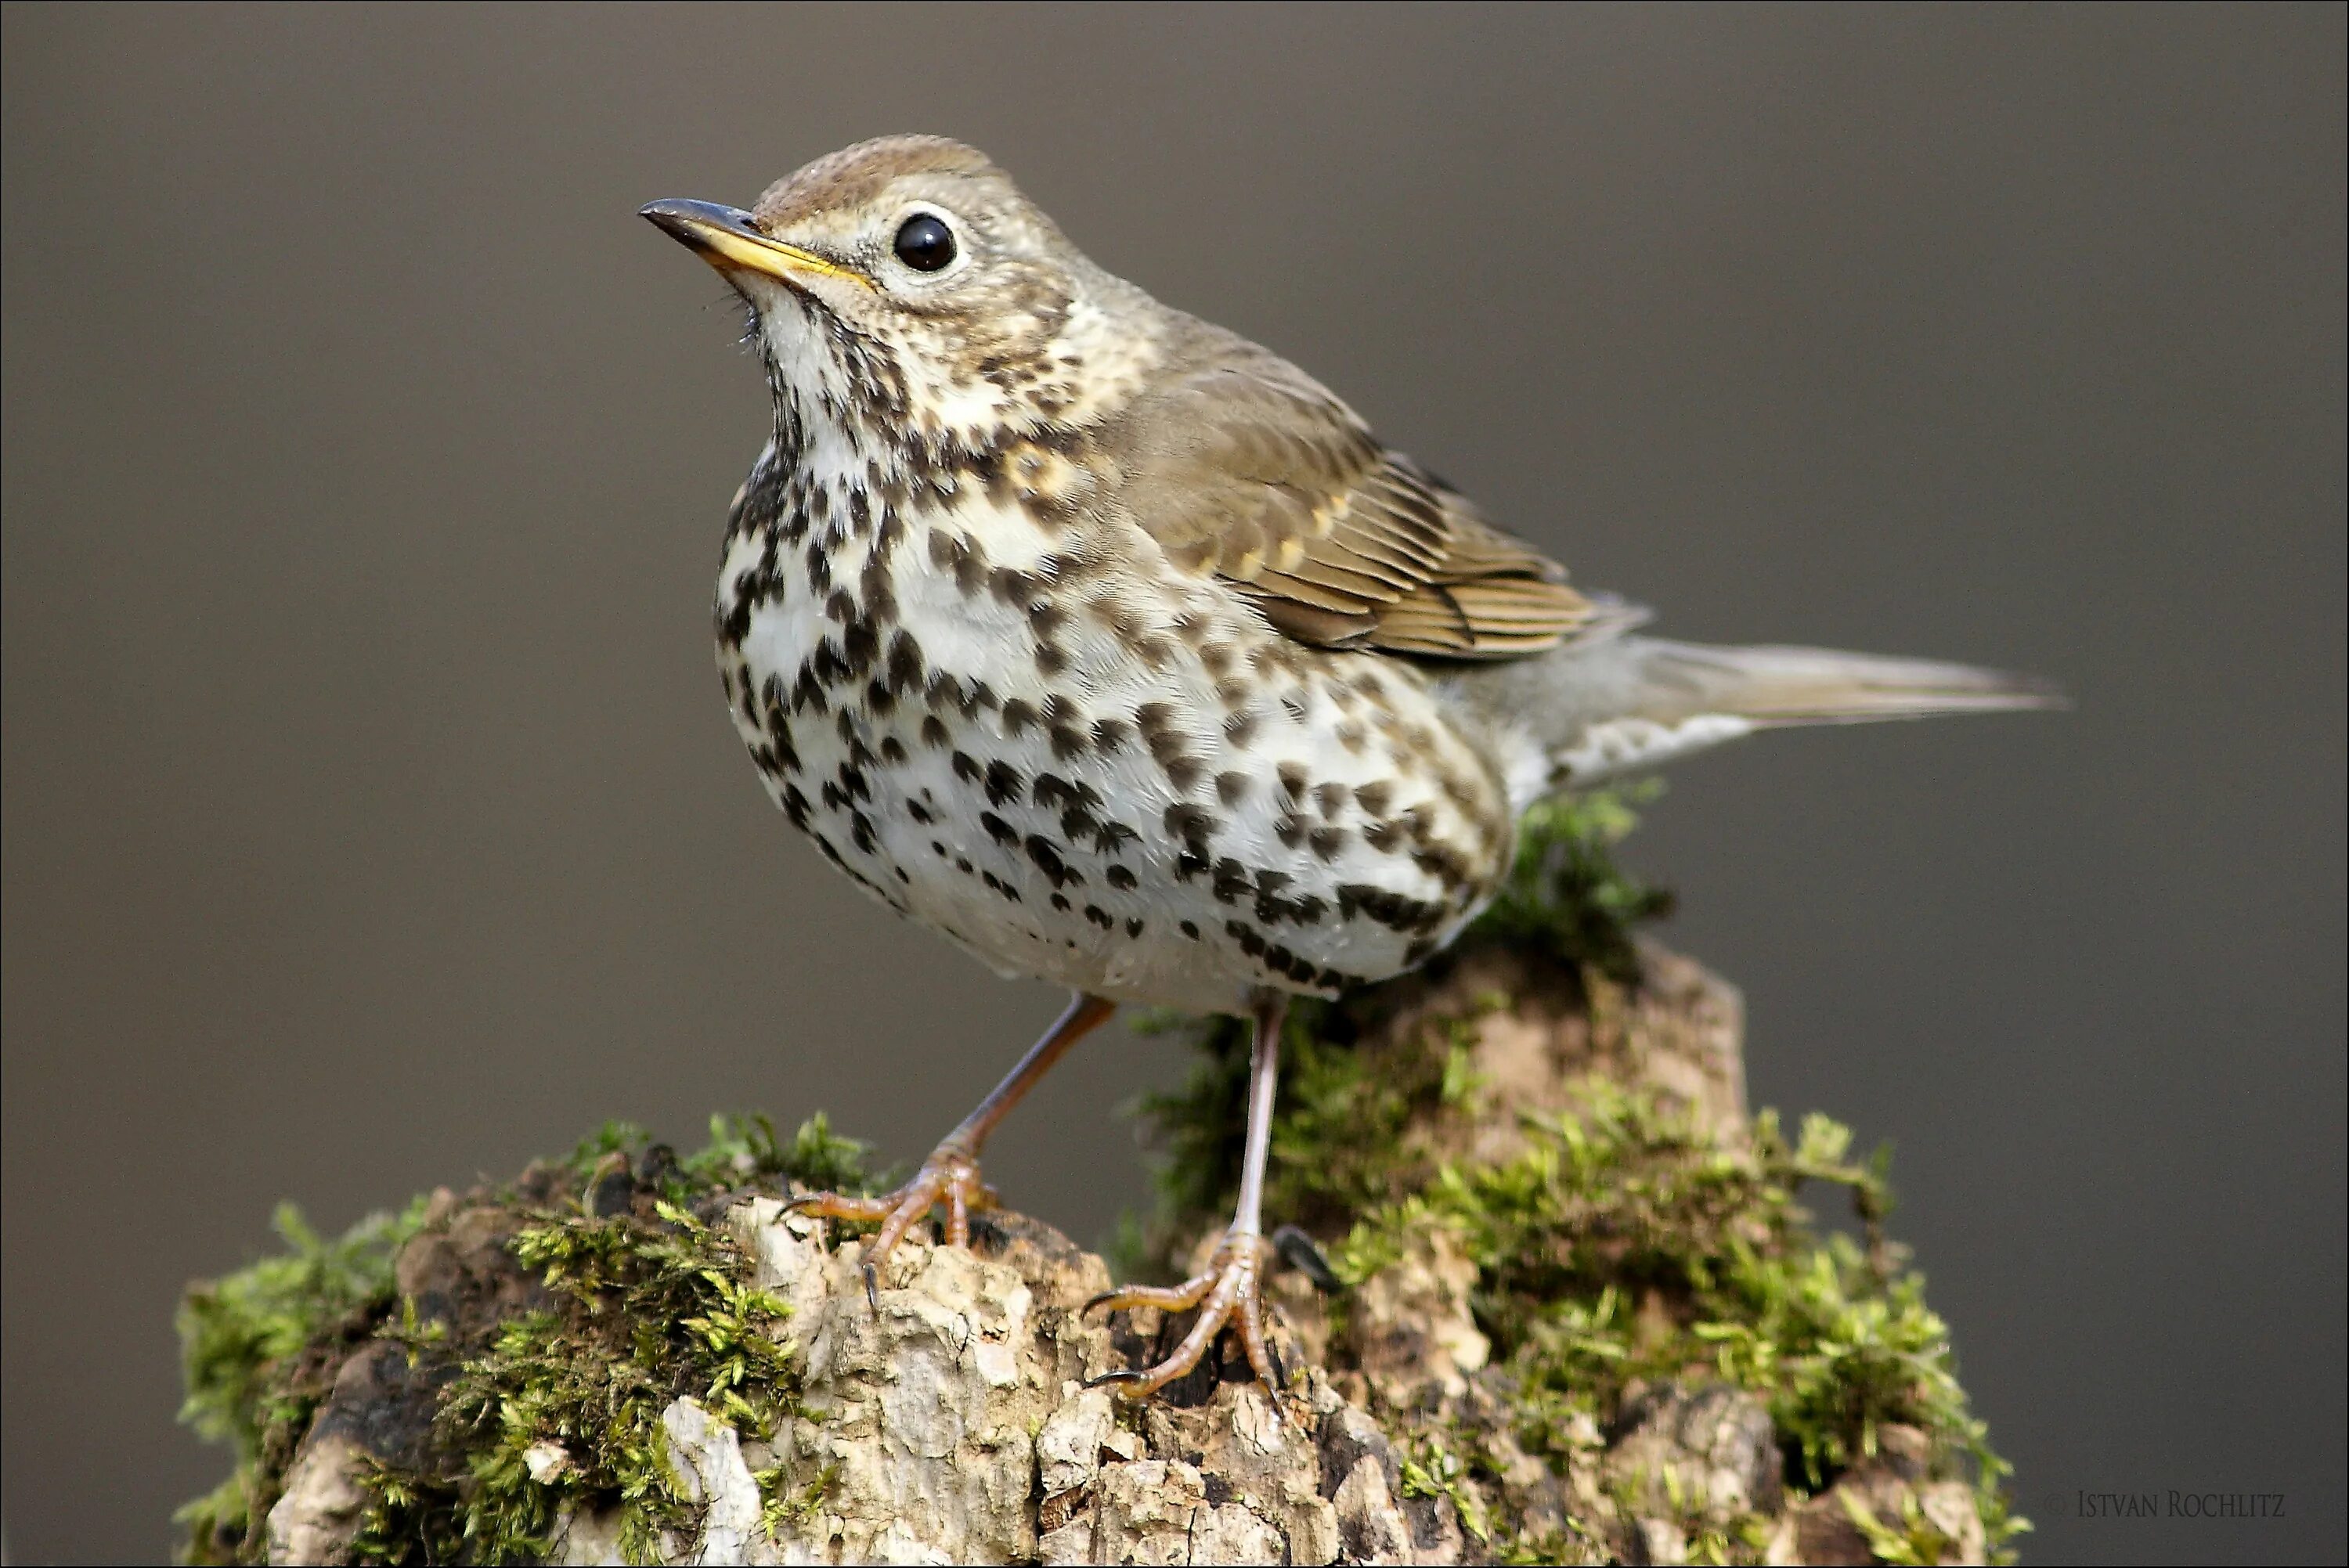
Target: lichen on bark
[{"x": 1579, "y": 1315}]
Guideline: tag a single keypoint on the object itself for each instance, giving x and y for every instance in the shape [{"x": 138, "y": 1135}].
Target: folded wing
[{"x": 1247, "y": 468}]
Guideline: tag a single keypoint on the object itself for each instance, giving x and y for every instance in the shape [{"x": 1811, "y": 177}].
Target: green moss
[
  {"x": 643, "y": 1311},
  {"x": 1428, "y": 1468},
  {"x": 1624, "y": 1249},
  {"x": 630, "y": 1299},
  {"x": 744, "y": 1151},
  {"x": 1336, "y": 1144},
  {"x": 258, "y": 1349},
  {"x": 1911, "y": 1539}
]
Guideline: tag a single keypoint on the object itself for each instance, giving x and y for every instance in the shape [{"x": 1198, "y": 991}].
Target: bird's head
[{"x": 904, "y": 289}]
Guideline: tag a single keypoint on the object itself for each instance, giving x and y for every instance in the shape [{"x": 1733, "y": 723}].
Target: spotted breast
[{"x": 1016, "y": 721}]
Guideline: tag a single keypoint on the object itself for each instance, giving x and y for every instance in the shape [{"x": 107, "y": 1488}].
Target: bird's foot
[
  {"x": 949, "y": 1177},
  {"x": 1227, "y": 1294}
]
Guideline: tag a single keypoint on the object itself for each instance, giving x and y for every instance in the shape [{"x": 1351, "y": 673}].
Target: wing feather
[{"x": 1247, "y": 468}]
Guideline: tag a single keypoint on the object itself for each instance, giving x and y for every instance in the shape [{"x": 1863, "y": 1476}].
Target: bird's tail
[{"x": 1622, "y": 705}]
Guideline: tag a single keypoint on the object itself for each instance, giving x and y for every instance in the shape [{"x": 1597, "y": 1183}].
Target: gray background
[{"x": 371, "y": 820}]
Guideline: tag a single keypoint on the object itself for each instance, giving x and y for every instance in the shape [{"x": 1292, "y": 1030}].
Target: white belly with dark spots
[{"x": 1078, "y": 796}]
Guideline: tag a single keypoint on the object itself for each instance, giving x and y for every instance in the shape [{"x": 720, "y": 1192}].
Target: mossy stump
[{"x": 1577, "y": 1315}]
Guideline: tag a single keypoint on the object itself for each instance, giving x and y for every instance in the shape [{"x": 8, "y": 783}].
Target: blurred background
[{"x": 372, "y": 820}]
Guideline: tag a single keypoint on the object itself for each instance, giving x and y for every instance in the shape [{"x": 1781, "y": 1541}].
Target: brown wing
[{"x": 1251, "y": 471}]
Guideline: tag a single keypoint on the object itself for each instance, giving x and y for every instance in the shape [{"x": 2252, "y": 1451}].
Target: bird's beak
[{"x": 727, "y": 240}]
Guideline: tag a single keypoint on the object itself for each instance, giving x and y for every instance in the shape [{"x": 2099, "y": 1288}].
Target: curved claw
[
  {"x": 1106, "y": 1379},
  {"x": 1227, "y": 1294},
  {"x": 949, "y": 1177},
  {"x": 1303, "y": 1253}
]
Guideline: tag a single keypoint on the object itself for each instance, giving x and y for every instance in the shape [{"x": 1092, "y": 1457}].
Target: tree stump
[{"x": 1577, "y": 1315}]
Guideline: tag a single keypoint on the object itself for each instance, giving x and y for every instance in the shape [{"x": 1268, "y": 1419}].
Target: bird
[{"x": 1123, "y": 654}]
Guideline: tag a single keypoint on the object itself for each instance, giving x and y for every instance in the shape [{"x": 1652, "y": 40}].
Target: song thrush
[{"x": 1121, "y": 652}]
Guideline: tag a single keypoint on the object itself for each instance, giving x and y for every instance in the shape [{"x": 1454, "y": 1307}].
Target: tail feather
[
  {"x": 1597, "y": 710},
  {"x": 1777, "y": 686}
]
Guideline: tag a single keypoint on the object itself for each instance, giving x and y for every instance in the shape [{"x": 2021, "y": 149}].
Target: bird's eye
[{"x": 925, "y": 244}]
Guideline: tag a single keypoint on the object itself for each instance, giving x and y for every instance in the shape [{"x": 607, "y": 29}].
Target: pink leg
[
  {"x": 950, "y": 1175},
  {"x": 1227, "y": 1293}
]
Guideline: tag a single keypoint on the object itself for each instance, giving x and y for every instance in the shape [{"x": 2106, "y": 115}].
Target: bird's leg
[
  {"x": 1227, "y": 1293},
  {"x": 950, "y": 1175}
]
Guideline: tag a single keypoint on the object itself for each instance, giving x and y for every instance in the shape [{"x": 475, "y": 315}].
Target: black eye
[{"x": 925, "y": 244}]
